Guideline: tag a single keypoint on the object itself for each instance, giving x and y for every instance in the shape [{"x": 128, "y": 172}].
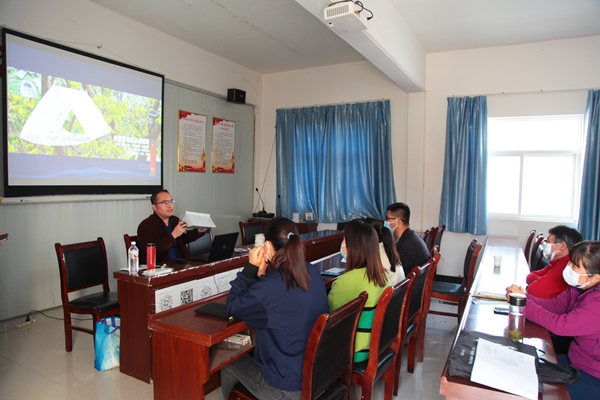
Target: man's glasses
[{"x": 165, "y": 202}]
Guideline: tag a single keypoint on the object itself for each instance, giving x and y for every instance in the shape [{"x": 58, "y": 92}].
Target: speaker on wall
[{"x": 236, "y": 96}]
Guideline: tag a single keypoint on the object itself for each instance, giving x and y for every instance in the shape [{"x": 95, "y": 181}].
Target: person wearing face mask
[
  {"x": 387, "y": 252},
  {"x": 576, "y": 312},
  {"x": 364, "y": 272},
  {"x": 281, "y": 296},
  {"x": 410, "y": 246},
  {"x": 548, "y": 282}
]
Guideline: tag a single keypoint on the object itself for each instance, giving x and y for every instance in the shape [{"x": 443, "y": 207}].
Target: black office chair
[
  {"x": 82, "y": 266},
  {"x": 327, "y": 368}
]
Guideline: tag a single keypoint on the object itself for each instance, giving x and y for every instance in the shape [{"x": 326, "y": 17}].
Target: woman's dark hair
[
  {"x": 362, "y": 245},
  {"x": 289, "y": 252},
  {"x": 587, "y": 253},
  {"x": 389, "y": 244}
]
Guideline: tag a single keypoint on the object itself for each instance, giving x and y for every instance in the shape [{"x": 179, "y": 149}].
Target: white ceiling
[{"x": 280, "y": 35}]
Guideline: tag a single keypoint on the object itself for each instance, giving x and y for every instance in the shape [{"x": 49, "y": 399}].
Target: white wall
[
  {"x": 346, "y": 83},
  {"x": 28, "y": 267},
  {"x": 542, "y": 77}
]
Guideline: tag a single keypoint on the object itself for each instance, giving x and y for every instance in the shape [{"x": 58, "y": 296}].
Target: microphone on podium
[{"x": 263, "y": 213}]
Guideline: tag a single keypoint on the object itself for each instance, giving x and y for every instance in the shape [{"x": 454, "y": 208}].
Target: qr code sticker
[{"x": 187, "y": 296}]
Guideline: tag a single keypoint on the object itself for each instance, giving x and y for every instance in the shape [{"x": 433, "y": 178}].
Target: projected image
[
  {"x": 75, "y": 120},
  {"x": 53, "y": 116}
]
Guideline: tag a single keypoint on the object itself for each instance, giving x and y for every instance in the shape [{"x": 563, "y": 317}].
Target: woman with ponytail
[
  {"x": 390, "y": 259},
  {"x": 280, "y": 295}
]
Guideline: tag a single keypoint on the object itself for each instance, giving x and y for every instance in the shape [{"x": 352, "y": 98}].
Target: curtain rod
[
  {"x": 527, "y": 92},
  {"x": 333, "y": 104}
]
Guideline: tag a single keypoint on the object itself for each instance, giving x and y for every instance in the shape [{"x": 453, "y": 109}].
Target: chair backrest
[
  {"x": 201, "y": 245},
  {"x": 470, "y": 263},
  {"x": 438, "y": 238},
  {"x": 330, "y": 349},
  {"x": 386, "y": 322},
  {"x": 249, "y": 229},
  {"x": 82, "y": 265},
  {"x": 528, "y": 247},
  {"x": 433, "y": 263},
  {"x": 539, "y": 261},
  {"x": 430, "y": 240},
  {"x": 422, "y": 274},
  {"x": 424, "y": 235},
  {"x": 536, "y": 251},
  {"x": 128, "y": 239}
]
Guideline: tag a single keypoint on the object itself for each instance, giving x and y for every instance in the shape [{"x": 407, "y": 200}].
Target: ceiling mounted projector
[{"x": 345, "y": 17}]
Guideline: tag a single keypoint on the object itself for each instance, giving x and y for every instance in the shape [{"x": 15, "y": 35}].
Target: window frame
[{"x": 577, "y": 154}]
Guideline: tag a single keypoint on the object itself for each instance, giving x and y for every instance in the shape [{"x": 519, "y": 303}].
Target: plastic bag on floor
[{"x": 107, "y": 343}]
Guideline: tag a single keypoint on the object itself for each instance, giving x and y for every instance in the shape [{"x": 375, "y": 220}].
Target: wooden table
[
  {"x": 479, "y": 316},
  {"x": 185, "y": 355},
  {"x": 137, "y": 297},
  {"x": 303, "y": 227}
]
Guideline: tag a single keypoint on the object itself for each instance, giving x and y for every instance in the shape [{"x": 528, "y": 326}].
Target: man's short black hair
[
  {"x": 154, "y": 196},
  {"x": 563, "y": 233},
  {"x": 400, "y": 210}
]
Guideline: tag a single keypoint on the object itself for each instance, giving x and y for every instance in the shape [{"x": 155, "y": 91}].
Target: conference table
[
  {"x": 479, "y": 316},
  {"x": 141, "y": 297}
]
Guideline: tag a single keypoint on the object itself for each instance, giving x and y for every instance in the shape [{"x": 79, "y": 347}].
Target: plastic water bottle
[{"x": 133, "y": 259}]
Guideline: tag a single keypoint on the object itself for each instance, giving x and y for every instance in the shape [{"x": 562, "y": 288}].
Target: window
[{"x": 534, "y": 166}]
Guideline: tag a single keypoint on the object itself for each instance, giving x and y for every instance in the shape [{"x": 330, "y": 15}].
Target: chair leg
[
  {"x": 389, "y": 377},
  {"x": 412, "y": 347},
  {"x": 397, "y": 366},
  {"x": 421, "y": 342},
  {"x": 68, "y": 332}
]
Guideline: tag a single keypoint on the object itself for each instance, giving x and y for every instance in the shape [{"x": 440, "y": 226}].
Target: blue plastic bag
[{"x": 107, "y": 343}]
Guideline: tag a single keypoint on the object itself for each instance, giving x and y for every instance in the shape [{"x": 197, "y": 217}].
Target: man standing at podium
[{"x": 165, "y": 230}]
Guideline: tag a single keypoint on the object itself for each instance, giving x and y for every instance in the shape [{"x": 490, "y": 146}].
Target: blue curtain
[
  {"x": 464, "y": 191},
  {"x": 589, "y": 210},
  {"x": 335, "y": 161}
]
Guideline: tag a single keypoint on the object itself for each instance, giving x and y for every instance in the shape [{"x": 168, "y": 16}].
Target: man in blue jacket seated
[{"x": 280, "y": 295}]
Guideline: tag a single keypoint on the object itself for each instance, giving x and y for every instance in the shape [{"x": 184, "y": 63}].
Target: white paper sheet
[{"x": 500, "y": 367}]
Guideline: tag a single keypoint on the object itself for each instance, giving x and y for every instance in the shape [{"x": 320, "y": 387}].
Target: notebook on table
[{"x": 222, "y": 247}]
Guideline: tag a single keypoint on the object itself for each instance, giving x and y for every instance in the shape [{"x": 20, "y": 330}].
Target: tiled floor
[{"x": 34, "y": 365}]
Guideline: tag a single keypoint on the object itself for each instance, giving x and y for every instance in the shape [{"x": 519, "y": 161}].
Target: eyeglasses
[
  {"x": 165, "y": 202},
  {"x": 390, "y": 218}
]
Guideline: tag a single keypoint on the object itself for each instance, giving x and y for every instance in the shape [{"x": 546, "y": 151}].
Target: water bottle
[
  {"x": 133, "y": 259},
  {"x": 516, "y": 317}
]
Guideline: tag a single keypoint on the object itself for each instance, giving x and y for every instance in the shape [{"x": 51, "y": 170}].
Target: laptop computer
[{"x": 222, "y": 247}]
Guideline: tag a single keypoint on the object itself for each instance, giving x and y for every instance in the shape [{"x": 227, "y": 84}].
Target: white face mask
[
  {"x": 547, "y": 251},
  {"x": 572, "y": 277}
]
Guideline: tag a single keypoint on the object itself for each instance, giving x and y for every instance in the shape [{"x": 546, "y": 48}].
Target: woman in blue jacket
[{"x": 280, "y": 295}]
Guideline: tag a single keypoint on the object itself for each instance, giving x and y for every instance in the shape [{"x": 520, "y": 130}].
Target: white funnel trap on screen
[{"x": 45, "y": 124}]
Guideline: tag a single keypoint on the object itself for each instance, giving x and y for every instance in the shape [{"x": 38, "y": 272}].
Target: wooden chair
[
  {"x": 249, "y": 229},
  {"x": 128, "y": 239},
  {"x": 417, "y": 317},
  {"x": 438, "y": 238},
  {"x": 387, "y": 335},
  {"x": 456, "y": 289},
  {"x": 430, "y": 242},
  {"x": 82, "y": 266},
  {"x": 424, "y": 236},
  {"x": 528, "y": 247},
  {"x": 538, "y": 260},
  {"x": 327, "y": 368}
]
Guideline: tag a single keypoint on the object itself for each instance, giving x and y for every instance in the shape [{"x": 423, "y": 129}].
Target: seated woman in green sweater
[{"x": 364, "y": 272}]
